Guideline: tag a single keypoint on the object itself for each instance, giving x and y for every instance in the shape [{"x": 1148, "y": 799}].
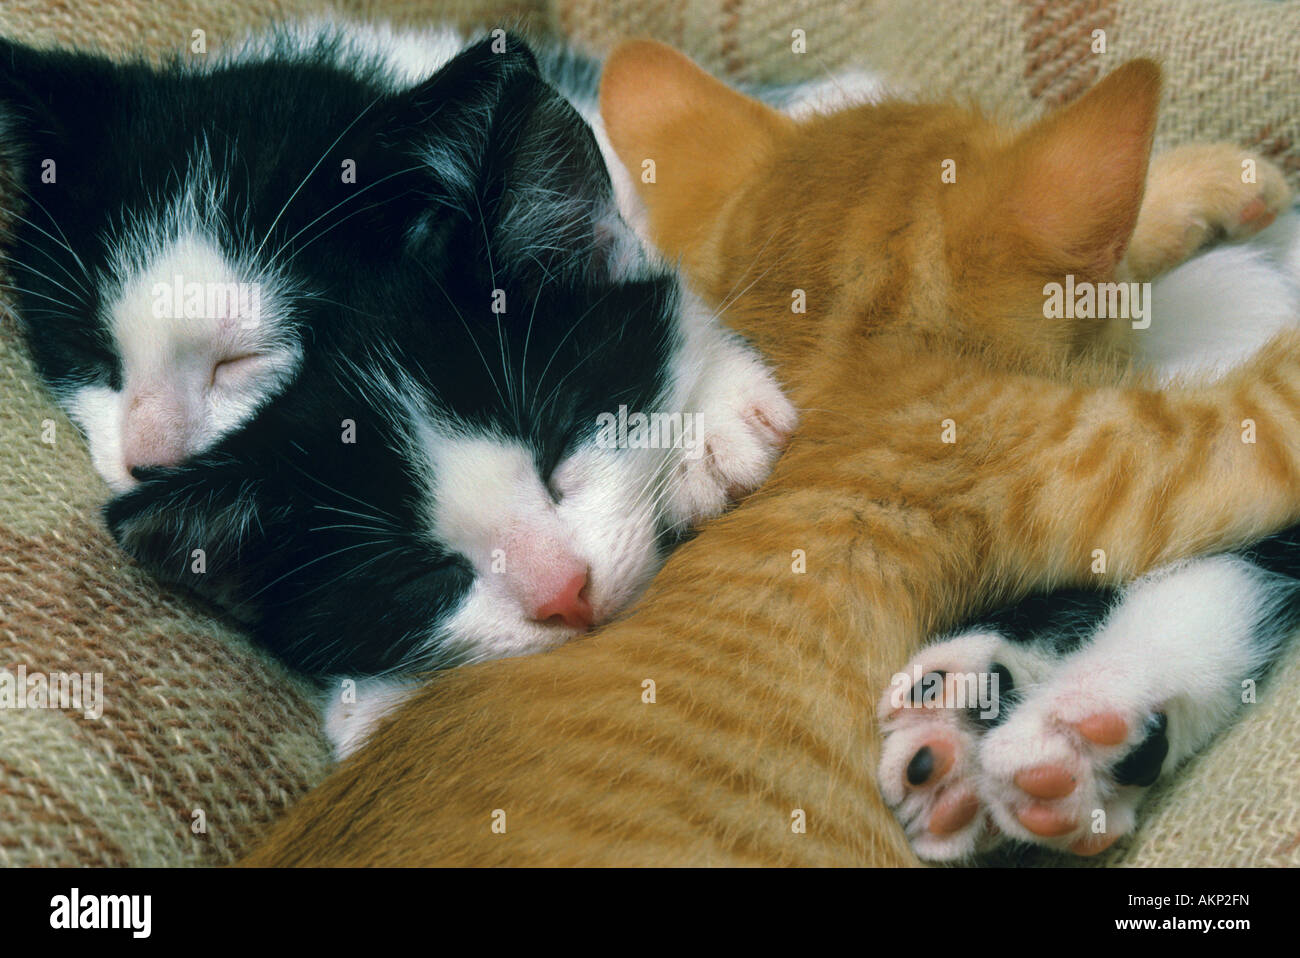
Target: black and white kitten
[
  {"x": 444, "y": 409},
  {"x": 182, "y": 224}
]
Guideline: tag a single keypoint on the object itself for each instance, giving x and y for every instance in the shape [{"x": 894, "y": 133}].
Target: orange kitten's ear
[
  {"x": 686, "y": 138},
  {"x": 1078, "y": 175}
]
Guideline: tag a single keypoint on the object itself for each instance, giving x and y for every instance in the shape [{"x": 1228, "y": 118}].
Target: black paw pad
[
  {"x": 1142, "y": 765},
  {"x": 921, "y": 767}
]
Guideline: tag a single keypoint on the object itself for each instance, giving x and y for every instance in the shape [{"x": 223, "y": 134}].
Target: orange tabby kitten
[{"x": 729, "y": 718}]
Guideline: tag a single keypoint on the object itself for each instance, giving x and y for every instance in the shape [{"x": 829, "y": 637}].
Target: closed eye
[
  {"x": 563, "y": 481},
  {"x": 232, "y": 370}
]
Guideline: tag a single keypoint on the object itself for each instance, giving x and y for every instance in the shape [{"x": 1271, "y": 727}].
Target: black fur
[
  {"x": 120, "y": 137},
  {"x": 1067, "y": 618},
  {"x": 315, "y": 543}
]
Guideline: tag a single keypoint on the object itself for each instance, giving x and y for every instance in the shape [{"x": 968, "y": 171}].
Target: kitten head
[
  {"x": 180, "y": 227},
  {"x": 443, "y": 487},
  {"x": 922, "y": 212}
]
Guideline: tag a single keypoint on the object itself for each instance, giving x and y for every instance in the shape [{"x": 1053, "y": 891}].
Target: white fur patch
[
  {"x": 487, "y": 503},
  {"x": 835, "y": 93},
  {"x": 353, "y": 713},
  {"x": 1214, "y": 311},
  {"x": 97, "y": 411},
  {"x": 203, "y": 343},
  {"x": 745, "y": 418}
]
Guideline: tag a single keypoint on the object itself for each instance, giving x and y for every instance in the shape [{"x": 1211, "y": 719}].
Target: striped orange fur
[{"x": 766, "y": 639}]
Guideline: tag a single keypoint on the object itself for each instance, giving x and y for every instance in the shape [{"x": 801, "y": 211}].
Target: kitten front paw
[
  {"x": 744, "y": 422},
  {"x": 1199, "y": 194},
  {"x": 1070, "y": 767},
  {"x": 933, "y": 720}
]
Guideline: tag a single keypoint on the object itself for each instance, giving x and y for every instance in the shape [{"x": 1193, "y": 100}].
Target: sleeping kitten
[
  {"x": 1102, "y": 692},
  {"x": 166, "y": 301},
  {"x": 729, "y": 716},
  {"x": 165, "y": 304},
  {"x": 465, "y": 413},
  {"x": 166, "y": 264}
]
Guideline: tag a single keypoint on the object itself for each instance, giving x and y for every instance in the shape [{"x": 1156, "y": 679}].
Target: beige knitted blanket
[{"x": 203, "y": 739}]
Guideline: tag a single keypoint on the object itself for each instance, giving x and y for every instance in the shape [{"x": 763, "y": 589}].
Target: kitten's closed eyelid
[
  {"x": 561, "y": 482},
  {"x": 234, "y": 366}
]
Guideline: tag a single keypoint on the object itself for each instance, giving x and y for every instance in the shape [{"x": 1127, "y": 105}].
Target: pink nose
[
  {"x": 568, "y": 605},
  {"x": 136, "y": 458},
  {"x": 154, "y": 432}
]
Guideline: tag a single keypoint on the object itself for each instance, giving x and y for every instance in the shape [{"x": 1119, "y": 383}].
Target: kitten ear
[
  {"x": 450, "y": 115},
  {"x": 1077, "y": 177},
  {"x": 518, "y": 164},
  {"x": 700, "y": 137},
  {"x": 548, "y": 197}
]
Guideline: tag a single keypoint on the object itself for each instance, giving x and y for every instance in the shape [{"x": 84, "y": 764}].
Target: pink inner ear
[
  {"x": 155, "y": 429},
  {"x": 1080, "y": 173}
]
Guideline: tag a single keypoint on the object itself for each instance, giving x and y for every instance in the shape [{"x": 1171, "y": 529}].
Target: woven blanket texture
[{"x": 204, "y": 739}]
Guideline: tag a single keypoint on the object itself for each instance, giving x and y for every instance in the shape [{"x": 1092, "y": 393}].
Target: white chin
[
  {"x": 489, "y": 641},
  {"x": 118, "y": 479}
]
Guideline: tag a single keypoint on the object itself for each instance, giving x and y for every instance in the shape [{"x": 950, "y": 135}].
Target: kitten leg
[
  {"x": 933, "y": 716},
  {"x": 1196, "y": 194},
  {"x": 1163, "y": 675},
  {"x": 1132, "y": 477},
  {"x": 352, "y": 713}
]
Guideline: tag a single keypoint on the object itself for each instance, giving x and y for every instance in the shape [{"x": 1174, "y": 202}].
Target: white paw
[
  {"x": 933, "y": 716},
  {"x": 743, "y": 422},
  {"x": 1070, "y": 766},
  {"x": 354, "y": 708}
]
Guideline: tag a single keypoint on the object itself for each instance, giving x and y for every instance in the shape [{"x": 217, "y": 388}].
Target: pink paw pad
[
  {"x": 954, "y": 812},
  {"x": 1045, "y": 821},
  {"x": 1103, "y": 728},
  {"x": 1257, "y": 214},
  {"x": 1045, "y": 781}
]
